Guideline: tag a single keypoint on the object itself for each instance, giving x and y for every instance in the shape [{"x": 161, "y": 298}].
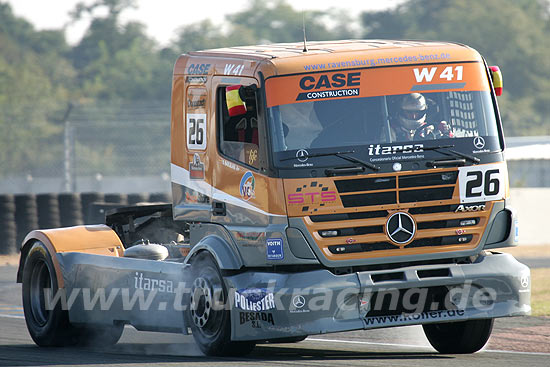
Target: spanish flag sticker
[{"x": 235, "y": 104}]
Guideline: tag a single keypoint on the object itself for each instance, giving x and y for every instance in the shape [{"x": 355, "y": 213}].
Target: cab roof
[
  {"x": 288, "y": 58},
  {"x": 296, "y": 49}
]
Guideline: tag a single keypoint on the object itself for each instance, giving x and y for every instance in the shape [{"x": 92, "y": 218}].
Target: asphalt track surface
[{"x": 523, "y": 341}]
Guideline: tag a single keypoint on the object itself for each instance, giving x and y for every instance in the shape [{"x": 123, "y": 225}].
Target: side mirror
[{"x": 496, "y": 78}]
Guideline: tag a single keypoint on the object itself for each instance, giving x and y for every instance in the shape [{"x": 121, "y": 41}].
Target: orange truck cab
[{"x": 353, "y": 185}]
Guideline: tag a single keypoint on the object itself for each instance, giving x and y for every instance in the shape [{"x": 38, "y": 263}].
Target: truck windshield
[{"x": 376, "y": 112}]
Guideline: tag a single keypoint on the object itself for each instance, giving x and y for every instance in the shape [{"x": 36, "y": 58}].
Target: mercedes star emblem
[
  {"x": 299, "y": 301},
  {"x": 479, "y": 142},
  {"x": 400, "y": 227},
  {"x": 302, "y": 155}
]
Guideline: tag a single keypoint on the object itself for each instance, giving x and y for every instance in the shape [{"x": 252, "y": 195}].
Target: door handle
[{"x": 218, "y": 208}]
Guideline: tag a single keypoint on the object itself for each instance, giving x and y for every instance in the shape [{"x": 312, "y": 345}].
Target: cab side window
[{"x": 238, "y": 126}]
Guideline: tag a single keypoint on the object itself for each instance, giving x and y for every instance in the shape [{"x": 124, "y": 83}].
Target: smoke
[{"x": 153, "y": 343}]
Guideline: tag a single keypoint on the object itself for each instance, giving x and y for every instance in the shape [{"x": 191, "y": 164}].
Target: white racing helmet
[{"x": 413, "y": 110}]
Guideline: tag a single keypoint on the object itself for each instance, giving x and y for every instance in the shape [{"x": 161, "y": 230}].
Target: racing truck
[{"x": 319, "y": 188}]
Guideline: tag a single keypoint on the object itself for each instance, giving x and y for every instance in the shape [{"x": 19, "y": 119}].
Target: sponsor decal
[
  {"x": 254, "y": 299},
  {"x": 479, "y": 144},
  {"x": 311, "y": 197},
  {"x": 470, "y": 208},
  {"x": 150, "y": 284},
  {"x": 524, "y": 280},
  {"x": 198, "y": 69},
  {"x": 198, "y": 103},
  {"x": 247, "y": 186},
  {"x": 322, "y": 86},
  {"x": 255, "y": 317},
  {"x": 232, "y": 69},
  {"x": 274, "y": 249},
  {"x": 250, "y": 236},
  {"x": 298, "y": 305},
  {"x": 302, "y": 155},
  {"x": 394, "y": 149},
  {"x": 460, "y": 231},
  {"x": 196, "y": 79},
  {"x": 230, "y": 164},
  {"x": 196, "y": 168},
  {"x": 415, "y": 317},
  {"x": 350, "y": 240},
  {"x": 252, "y": 156}
]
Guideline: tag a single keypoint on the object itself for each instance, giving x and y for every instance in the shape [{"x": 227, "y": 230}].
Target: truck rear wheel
[
  {"x": 208, "y": 316},
  {"x": 459, "y": 337},
  {"x": 48, "y": 324}
]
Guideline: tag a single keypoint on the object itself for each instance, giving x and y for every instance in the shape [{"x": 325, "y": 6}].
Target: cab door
[{"x": 192, "y": 182}]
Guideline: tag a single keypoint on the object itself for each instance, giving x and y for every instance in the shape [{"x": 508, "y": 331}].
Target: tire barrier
[
  {"x": 48, "y": 211},
  {"x": 86, "y": 201},
  {"x": 136, "y": 198},
  {"x": 23, "y": 213},
  {"x": 70, "y": 209},
  {"x": 160, "y": 197},
  {"x": 26, "y": 215},
  {"x": 8, "y": 229},
  {"x": 121, "y": 199}
]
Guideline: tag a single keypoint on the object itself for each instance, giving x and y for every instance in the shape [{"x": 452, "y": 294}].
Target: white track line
[
  {"x": 414, "y": 346},
  {"x": 12, "y": 316},
  {"x": 366, "y": 343}
]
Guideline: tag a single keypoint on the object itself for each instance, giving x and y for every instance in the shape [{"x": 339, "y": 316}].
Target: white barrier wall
[{"x": 533, "y": 206}]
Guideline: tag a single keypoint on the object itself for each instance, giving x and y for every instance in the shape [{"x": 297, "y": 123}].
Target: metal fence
[
  {"x": 108, "y": 147},
  {"x": 125, "y": 148}
]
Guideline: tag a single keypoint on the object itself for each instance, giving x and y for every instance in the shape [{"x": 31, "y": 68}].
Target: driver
[{"x": 410, "y": 122}]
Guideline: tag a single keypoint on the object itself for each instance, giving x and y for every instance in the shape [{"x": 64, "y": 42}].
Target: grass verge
[{"x": 540, "y": 291}]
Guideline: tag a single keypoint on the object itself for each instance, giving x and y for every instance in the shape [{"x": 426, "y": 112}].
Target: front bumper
[{"x": 277, "y": 305}]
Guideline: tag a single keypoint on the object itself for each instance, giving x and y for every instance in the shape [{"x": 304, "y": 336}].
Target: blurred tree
[
  {"x": 265, "y": 21},
  {"x": 35, "y": 85},
  {"x": 118, "y": 61},
  {"x": 508, "y": 33}
]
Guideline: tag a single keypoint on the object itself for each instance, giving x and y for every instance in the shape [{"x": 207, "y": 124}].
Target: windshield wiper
[
  {"x": 452, "y": 153},
  {"x": 339, "y": 155}
]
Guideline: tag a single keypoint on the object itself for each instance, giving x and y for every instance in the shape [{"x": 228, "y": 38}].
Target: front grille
[
  {"x": 379, "y": 198},
  {"x": 414, "y": 196},
  {"x": 365, "y": 184},
  {"x": 430, "y": 179},
  {"x": 396, "y": 189},
  {"x": 360, "y": 247},
  {"x": 431, "y": 199}
]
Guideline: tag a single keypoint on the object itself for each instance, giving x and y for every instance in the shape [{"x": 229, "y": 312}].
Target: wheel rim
[
  {"x": 206, "y": 297},
  {"x": 40, "y": 280}
]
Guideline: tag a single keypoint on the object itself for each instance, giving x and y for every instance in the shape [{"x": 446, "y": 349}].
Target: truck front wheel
[
  {"x": 208, "y": 316},
  {"x": 459, "y": 337}
]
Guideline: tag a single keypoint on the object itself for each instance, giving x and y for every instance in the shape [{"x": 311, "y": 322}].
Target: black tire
[
  {"x": 211, "y": 326},
  {"x": 47, "y": 327},
  {"x": 461, "y": 337}
]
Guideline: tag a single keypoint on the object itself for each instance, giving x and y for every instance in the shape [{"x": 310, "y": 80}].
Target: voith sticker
[{"x": 274, "y": 249}]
